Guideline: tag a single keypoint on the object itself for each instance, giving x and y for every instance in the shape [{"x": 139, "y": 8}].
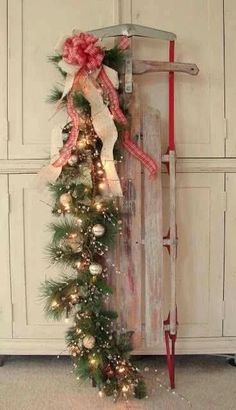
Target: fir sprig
[
  {"x": 81, "y": 103},
  {"x": 63, "y": 229},
  {"x": 55, "y": 58},
  {"x": 64, "y": 256},
  {"x": 114, "y": 58},
  {"x": 55, "y": 95},
  {"x": 57, "y": 294}
]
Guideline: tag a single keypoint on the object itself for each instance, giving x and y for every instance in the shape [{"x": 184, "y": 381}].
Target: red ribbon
[
  {"x": 65, "y": 152},
  {"x": 138, "y": 153},
  {"x": 117, "y": 113}
]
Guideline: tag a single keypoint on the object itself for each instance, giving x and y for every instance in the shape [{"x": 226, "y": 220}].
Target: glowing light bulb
[
  {"x": 73, "y": 297},
  {"x": 81, "y": 143},
  {"x": 101, "y": 394},
  {"x": 98, "y": 206},
  {"x": 125, "y": 389},
  {"x": 92, "y": 361},
  {"x": 121, "y": 370},
  {"x": 54, "y": 304},
  {"x": 101, "y": 185}
]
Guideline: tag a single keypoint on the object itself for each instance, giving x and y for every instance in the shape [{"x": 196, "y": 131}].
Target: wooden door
[
  {"x": 29, "y": 217},
  {"x": 5, "y": 288},
  {"x": 200, "y": 225},
  {"x": 200, "y": 123},
  {"x": 34, "y": 30}
]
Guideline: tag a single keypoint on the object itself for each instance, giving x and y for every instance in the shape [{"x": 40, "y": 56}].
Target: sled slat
[{"x": 153, "y": 233}]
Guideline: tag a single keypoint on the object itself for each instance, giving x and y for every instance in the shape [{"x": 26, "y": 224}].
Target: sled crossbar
[{"x": 136, "y": 30}]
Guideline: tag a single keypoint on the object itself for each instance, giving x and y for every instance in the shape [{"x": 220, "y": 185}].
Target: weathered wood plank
[
  {"x": 129, "y": 256},
  {"x": 129, "y": 252},
  {"x": 153, "y": 232}
]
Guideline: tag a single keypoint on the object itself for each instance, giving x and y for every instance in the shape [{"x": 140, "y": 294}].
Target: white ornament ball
[
  {"x": 95, "y": 269},
  {"x": 98, "y": 230},
  {"x": 89, "y": 342},
  {"x": 65, "y": 200},
  {"x": 72, "y": 160}
]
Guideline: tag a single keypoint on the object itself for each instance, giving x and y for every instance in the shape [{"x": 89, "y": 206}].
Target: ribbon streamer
[
  {"x": 130, "y": 146},
  {"x": 65, "y": 152},
  {"x": 106, "y": 130}
]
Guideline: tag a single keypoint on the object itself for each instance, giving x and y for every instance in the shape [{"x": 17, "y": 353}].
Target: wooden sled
[{"x": 128, "y": 303}]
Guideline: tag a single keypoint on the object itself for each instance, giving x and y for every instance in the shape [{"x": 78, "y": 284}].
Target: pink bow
[{"x": 82, "y": 49}]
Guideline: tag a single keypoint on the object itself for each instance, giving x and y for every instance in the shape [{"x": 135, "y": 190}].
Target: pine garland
[{"x": 100, "y": 351}]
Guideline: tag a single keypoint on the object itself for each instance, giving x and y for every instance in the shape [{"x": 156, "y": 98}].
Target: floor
[{"x": 47, "y": 383}]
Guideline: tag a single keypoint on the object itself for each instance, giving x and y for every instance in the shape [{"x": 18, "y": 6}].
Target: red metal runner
[{"x": 170, "y": 338}]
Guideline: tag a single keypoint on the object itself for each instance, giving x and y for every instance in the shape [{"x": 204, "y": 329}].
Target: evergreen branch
[
  {"x": 103, "y": 287},
  {"x": 114, "y": 58},
  {"x": 57, "y": 295},
  {"x": 55, "y": 95},
  {"x": 82, "y": 368},
  {"x": 55, "y": 58},
  {"x": 140, "y": 390},
  {"x": 81, "y": 103},
  {"x": 62, "y": 229},
  {"x": 62, "y": 255}
]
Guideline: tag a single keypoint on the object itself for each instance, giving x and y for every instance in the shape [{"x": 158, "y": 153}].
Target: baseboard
[{"x": 214, "y": 345}]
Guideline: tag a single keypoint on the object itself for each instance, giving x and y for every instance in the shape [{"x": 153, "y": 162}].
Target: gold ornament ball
[
  {"x": 89, "y": 342},
  {"x": 95, "y": 269},
  {"x": 98, "y": 230}
]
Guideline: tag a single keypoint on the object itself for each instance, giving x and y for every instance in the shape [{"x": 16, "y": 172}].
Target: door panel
[
  {"x": 34, "y": 30},
  {"x": 230, "y": 258},
  {"x": 5, "y": 288},
  {"x": 3, "y": 80},
  {"x": 200, "y": 227},
  {"x": 30, "y": 215},
  {"x": 230, "y": 83},
  {"x": 199, "y": 100}
]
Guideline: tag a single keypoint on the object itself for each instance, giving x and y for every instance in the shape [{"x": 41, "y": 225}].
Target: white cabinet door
[
  {"x": 34, "y": 30},
  {"x": 3, "y": 80},
  {"x": 29, "y": 217},
  {"x": 200, "y": 124},
  {"x": 200, "y": 226},
  {"x": 230, "y": 83},
  {"x": 230, "y": 258},
  {"x": 5, "y": 288}
]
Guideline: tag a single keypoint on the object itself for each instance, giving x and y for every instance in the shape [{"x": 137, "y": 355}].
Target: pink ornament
[{"x": 82, "y": 50}]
